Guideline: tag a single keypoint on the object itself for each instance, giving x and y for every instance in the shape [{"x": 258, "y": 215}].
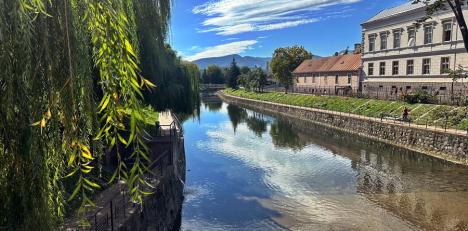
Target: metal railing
[
  {"x": 459, "y": 96},
  {"x": 119, "y": 205}
]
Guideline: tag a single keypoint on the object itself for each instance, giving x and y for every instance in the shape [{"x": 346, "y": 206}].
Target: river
[{"x": 249, "y": 170}]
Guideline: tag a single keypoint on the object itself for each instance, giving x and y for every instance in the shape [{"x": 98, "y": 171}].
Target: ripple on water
[{"x": 331, "y": 182}]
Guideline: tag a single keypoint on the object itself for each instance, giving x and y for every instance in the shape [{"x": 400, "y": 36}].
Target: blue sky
[{"x": 202, "y": 29}]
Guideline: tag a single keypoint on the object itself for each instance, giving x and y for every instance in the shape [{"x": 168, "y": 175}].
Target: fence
[
  {"x": 459, "y": 96},
  {"x": 119, "y": 205}
]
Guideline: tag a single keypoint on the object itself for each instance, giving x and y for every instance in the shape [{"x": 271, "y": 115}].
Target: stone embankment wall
[
  {"x": 447, "y": 145},
  {"x": 162, "y": 210}
]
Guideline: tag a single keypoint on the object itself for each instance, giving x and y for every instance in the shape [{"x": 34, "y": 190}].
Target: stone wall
[
  {"x": 162, "y": 210},
  {"x": 437, "y": 143}
]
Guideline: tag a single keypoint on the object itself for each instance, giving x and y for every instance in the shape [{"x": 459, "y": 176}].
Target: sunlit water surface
[{"x": 252, "y": 171}]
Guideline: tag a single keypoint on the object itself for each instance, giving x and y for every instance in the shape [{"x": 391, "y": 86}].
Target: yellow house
[{"x": 338, "y": 75}]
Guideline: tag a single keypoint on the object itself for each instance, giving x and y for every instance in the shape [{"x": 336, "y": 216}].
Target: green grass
[{"x": 433, "y": 115}]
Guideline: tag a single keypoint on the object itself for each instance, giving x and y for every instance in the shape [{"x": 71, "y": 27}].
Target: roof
[
  {"x": 406, "y": 7},
  {"x": 349, "y": 62}
]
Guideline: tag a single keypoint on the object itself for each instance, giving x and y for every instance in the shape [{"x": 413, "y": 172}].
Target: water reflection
[
  {"x": 257, "y": 124},
  {"x": 254, "y": 170},
  {"x": 237, "y": 115}
]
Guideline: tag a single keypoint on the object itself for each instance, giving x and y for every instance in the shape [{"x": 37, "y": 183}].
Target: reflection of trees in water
[
  {"x": 424, "y": 191},
  {"x": 257, "y": 124},
  {"x": 284, "y": 136},
  {"x": 214, "y": 106},
  {"x": 211, "y": 101},
  {"x": 237, "y": 115}
]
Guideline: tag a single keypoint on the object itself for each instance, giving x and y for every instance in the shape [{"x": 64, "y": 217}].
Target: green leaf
[
  {"x": 75, "y": 191},
  {"x": 92, "y": 184}
]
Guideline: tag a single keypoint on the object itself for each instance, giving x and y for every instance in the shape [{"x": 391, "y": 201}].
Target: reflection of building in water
[
  {"x": 429, "y": 193},
  {"x": 436, "y": 201}
]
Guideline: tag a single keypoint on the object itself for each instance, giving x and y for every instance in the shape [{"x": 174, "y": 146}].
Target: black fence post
[
  {"x": 95, "y": 222},
  {"x": 112, "y": 216}
]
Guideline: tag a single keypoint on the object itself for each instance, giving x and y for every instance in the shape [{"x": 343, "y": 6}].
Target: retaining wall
[{"x": 448, "y": 145}]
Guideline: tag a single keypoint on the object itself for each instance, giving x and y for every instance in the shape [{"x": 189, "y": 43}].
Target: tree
[
  {"x": 204, "y": 77},
  {"x": 71, "y": 90},
  {"x": 284, "y": 61},
  {"x": 232, "y": 75},
  {"x": 244, "y": 81},
  {"x": 260, "y": 79},
  {"x": 456, "y": 75},
  {"x": 456, "y": 6},
  {"x": 215, "y": 75},
  {"x": 245, "y": 70}
]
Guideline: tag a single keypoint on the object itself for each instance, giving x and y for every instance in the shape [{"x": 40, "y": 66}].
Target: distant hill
[{"x": 225, "y": 61}]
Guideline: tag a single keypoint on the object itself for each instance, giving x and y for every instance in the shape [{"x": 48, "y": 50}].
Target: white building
[{"x": 400, "y": 56}]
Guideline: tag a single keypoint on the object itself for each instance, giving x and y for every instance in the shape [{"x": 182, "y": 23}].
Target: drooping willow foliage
[
  {"x": 75, "y": 76},
  {"x": 178, "y": 83}
]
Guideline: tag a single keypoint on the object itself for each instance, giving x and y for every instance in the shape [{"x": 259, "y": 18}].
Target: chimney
[{"x": 357, "y": 48}]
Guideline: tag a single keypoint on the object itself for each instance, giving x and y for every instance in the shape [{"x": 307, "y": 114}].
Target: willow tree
[{"x": 71, "y": 89}]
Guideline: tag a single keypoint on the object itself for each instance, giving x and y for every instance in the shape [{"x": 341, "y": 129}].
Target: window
[
  {"x": 370, "y": 69},
  {"x": 313, "y": 78},
  {"x": 443, "y": 88},
  {"x": 350, "y": 77},
  {"x": 410, "y": 67},
  {"x": 326, "y": 80},
  {"x": 445, "y": 65},
  {"x": 447, "y": 34},
  {"x": 383, "y": 41},
  {"x": 396, "y": 39},
  {"x": 427, "y": 34},
  {"x": 411, "y": 36},
  {"x": 426, "y": 67},
  {"x": 336, "y": 79},
  {"x": 371, "y": 42},
  {"x": 382, "y": 68},
  {"x": 395, "y": 67}
]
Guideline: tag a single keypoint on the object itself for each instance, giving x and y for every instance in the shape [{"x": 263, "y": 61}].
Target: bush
[{"x": 419, "y": 97}]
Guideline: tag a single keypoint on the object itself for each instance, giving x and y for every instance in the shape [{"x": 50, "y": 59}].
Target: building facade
[
  {"x": 338, "y": 75},
  {"x": 401, "y": 56}
]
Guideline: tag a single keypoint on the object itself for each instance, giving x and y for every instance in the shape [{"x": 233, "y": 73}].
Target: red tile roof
[{"x": 349, "y": 62}]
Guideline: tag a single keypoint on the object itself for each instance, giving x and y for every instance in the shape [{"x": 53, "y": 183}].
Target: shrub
[{"x": 419, "y": 97}]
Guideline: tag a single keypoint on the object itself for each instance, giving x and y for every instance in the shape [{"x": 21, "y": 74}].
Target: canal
[{"x": 249, "y": 170}]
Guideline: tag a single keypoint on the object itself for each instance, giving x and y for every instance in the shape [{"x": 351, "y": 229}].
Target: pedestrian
[{"x": 405, "y": 114}]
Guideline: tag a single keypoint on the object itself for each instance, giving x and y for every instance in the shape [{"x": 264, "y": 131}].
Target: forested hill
[{"x": 225, "y": 61}]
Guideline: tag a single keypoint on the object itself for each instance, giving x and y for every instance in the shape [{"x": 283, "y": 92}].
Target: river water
[{"x": 249, "y": 170}]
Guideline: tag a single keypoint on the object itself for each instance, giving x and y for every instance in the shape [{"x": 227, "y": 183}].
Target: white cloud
[
  {"x": 229, "y": 17},
  {"x": 230, "y": 39},
  {"x": 223, "y": 50}
]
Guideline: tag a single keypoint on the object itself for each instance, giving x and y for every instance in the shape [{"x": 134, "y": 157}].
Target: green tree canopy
[
  {"x": 285, "y": 60},
  {"x": 72, "y": 79},
  {"x": 255, "y": 79},
  {"x": 232, "y": 75},
  {"x": 245, "y": 70},
  {"x": 214, "y": 75}
]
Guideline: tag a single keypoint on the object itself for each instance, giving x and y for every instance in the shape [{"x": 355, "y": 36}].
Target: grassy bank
[{"x": 433, "y": 115}]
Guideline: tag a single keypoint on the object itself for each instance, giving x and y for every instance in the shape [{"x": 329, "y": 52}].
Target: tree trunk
[
  {"x": 463, "y": 29},
  {"x": 458, "y": 11}
]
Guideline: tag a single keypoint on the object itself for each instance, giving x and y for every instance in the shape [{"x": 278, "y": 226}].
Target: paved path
[{"x": 165, "y": 118}]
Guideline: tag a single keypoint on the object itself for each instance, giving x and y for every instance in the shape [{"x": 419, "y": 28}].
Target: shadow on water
[{"x": 292, "y": 174}]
